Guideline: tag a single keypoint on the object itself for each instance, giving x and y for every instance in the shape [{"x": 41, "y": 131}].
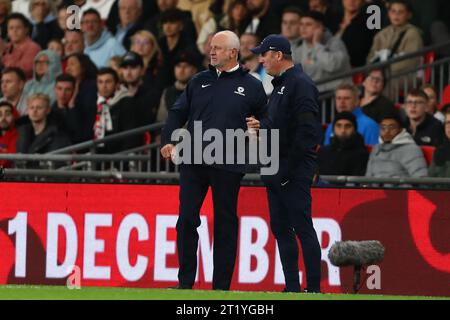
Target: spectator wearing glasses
[
  {"x": 425, "y": 129},
  {"x": 440, "y": 167},
  {"x": 397, "y": 155},
  {"x": 373, "y": 103}
]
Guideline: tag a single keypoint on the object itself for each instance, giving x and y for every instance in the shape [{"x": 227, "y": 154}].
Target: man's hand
[
  {"x": 252, "y": 123},
  {"x": 166, "y": 151}
]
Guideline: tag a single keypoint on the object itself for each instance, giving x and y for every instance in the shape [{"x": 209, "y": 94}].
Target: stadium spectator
[
  {"x": 154, "y": 24},
  {"x": 321, "y": 54},
  {"x": 130, "y": 21},
  {"x": 62, "y": 17},
  {"x": 145, "y": 44},
  {"x": 172, "y": 43},
  {"x": 251, "y": 61},
  {"x": 21, "y": 50},
  {"x": 346, "y": 154},
  {"x": 8, "y": 132},
  {"x": 397, "y": 155},
  {"x": 84, "y": 71},
  {"x": 114, "y": 63},
  {"x": 57, "y": 47},
  {"x": 233, "y": 20},
  {"x": 261, "y": 21},
  {"x": 440, "y": 167},
  {"x": 102, "y": 6},
  {"x": 425, "y": 129},
  {"x": 432, "y": 105},
  {"x": 5, "y": 10},
  {"x": 324, "y": 7},
  {"x": 347, "y": 99},
  {"x": 373, "y": 103},
  {"x": 73, "y": 42},
  {"x": 45, "y": 24},
  {"x": 185, "y": 68},
  {"x": 114, "y": 112},
  {"x": 399, "y": 38},
  {"x": 99, "y": 42},
  {"x": 146, "y": 96},
  {"x": 199, "y": 10},
  {"x": 47, "y": 66},
  {"x": 64, "y": 115},
  {"x": 12, "y": 84},
  {"x": 290, "y": 28},
  {"x": 39, "y": 136},
  {"x": 22, "y": 7},
  {"x": 207, "y": 52},
  {"x": 354, "y": 32}
]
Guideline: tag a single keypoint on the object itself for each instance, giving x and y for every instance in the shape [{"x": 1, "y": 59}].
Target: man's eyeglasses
[
  {"x": 415, "y": 102},
  {"x": 375, "y": 79},
  {"x": 389, "y": 127}
]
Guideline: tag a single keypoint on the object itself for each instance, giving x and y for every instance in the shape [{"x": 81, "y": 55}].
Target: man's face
[
  {"x": 221, "y": 55},
  {"x": 73, "y": 43},
  {"x": 248, "y": 41},
  {"x": 172, "y": 28},
  {"x": 129, "y": 12},
  {"x": 447, "y": 125},
  {"x": 389, "y": 129},
  {"x": 346, "y": 101},
  {"x": 290, "y": 25},
  {"x": 184, "y": 72},
  {"x": 41, "y": 65},
  {"x": 11, "y": 85},
  {"x": 416, "y": 107},
  {"x": 307, "y": 28},
  {"x": 91, "y": 26},
  {"x": 374, "y": 83},
  {"x": 132, "y": 74},
  {"x": 432, "y": 100},
  {"x": 270, "y": 61},
  {"x": 398, "y": 14},
  {"x": 64, "y": 91},
  {"x": 343, "y": 129},
  {"x": 165, "y": 5},
  {"x": 106, "y": 85},
  {"x": 38, "y": 110},
  {"x": 6, "y": 118},
  {"x": 17, "y": 32}
]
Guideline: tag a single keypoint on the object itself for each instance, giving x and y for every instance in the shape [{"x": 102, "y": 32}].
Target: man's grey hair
[
  {"x": 139, "y": 2},
  {"x": 232, "y": 39}
]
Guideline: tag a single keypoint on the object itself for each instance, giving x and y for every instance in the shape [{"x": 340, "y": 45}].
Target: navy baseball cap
[{"x": 274, "y": 42}]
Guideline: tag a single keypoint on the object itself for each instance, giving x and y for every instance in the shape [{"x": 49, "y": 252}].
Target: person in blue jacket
[
  {"x": 293, "y": 109},
  {"x": 219, "y": 98}
]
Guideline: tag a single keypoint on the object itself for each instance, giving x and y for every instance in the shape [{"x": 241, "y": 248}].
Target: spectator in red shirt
[{"x": 8, "y": 133}]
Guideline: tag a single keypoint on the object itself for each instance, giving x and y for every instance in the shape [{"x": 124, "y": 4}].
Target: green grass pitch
[{"x": 14, "y": 292}]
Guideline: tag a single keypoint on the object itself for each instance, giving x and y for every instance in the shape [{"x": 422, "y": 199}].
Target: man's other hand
[{"x": 166, "y": 151}]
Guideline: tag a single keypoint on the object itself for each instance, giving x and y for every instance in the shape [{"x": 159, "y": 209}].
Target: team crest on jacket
[
  {"x": 240, "y": 91},
  {"x": 281, "y": 90}
]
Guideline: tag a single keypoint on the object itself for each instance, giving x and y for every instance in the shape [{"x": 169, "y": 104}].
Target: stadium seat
[
  {"x": 428, "y": 59},
  {"x": 358, "y": 78},
  {"x": 445, "y": 96},
  {"x": 428, "y": 152},
  {"x": 369, "y": 148}
]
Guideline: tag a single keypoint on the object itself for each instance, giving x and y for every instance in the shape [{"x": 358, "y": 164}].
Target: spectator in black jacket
[
  {"x": 66, "y": 116},
  {"x": 373, "y": 103},
  {"x": 262, "y": 21},
  {"x": 45, "y": 24},
  {"x": 40, "y": 136},
  {"x": 426, "y": 129},
  {"x": 146, "y": 96},
  {"x": 130, "y": 21},
  {"x": 346, "y": 155}
]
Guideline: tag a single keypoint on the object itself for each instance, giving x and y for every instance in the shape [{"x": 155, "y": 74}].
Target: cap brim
[{"x": 257, "y": 50}]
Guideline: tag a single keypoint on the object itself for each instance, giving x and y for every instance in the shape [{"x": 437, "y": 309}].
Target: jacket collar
[{"x": 280, "y": 79}]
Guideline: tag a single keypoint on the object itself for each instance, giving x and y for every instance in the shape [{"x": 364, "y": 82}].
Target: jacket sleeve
[
  {"x": 177, "y": 117},
  {"x": 414, "y": 162},
  {"x": 369, "y": 170},
  {"x": 259, "y": 109}
]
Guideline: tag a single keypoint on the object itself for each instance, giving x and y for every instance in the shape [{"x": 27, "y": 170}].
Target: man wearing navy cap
[{"x": 293, "y": 109}]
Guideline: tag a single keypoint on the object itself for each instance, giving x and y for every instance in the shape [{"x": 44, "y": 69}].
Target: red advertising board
[{"x": 124, "y": 235}]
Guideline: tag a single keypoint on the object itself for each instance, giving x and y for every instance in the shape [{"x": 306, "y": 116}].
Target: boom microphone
[{"x": 357, "y": 254}]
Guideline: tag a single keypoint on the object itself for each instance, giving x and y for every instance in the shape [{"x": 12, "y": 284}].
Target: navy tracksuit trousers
[{"x": 225, "y": 185}]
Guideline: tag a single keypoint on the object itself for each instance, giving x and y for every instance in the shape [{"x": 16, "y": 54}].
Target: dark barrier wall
[{"x": 124, "y": 235}]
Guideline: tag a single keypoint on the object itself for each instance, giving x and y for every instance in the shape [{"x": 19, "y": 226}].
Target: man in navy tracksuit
[
  {"x": 293, "y": 109},
  {"x": 221, "y": 97}
]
